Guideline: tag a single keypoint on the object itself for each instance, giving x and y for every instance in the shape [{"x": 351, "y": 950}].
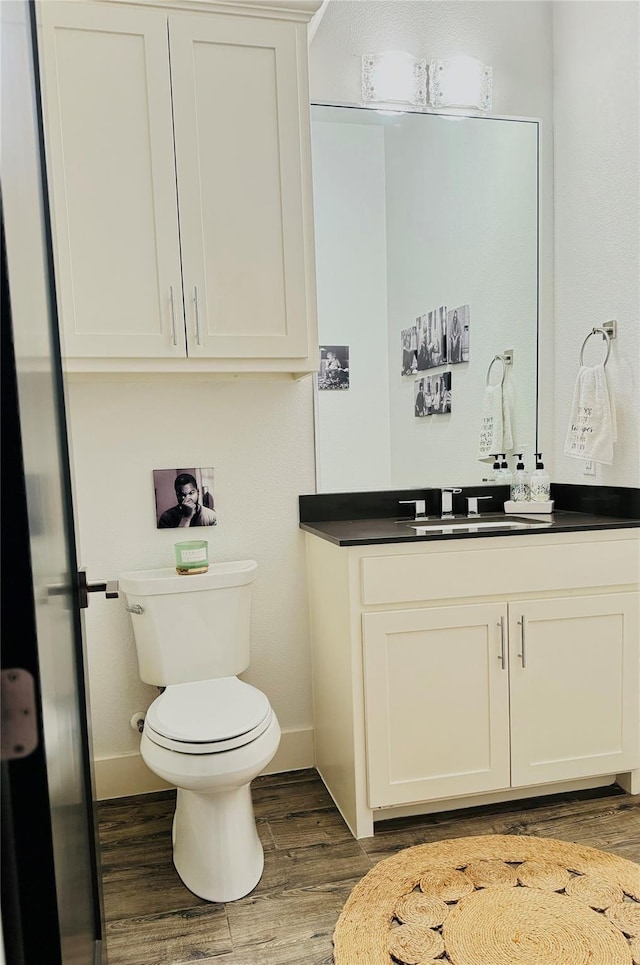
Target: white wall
[
  {"x": 259, "y": 436},
  {"x": 597, "y": 218},
  {"x": 349, "y": 202}
]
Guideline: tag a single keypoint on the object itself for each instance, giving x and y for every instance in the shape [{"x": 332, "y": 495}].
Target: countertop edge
[{"x": 548, "y": 527}]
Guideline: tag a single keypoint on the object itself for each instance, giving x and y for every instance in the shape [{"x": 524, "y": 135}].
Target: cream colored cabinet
[
  {"x": 453, "y": 673},
  {"x": 574, "y": 686},
  {"x": 464, "y": 699},
  {"x": 431, "y": 730},
  {"x": 178, "y": 156}
]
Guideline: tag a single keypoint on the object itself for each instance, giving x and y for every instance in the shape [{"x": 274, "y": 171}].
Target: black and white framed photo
[
  {"x": 441, "y": 393},
  {"x": 184, "y": 498},
  {"x": 422, "y": 334},
  {"x": 432, "y": 338},
  {"x": 420, "y": 397},
  {"x": 409, "y": 350},
  {"x": 334, "y": 367},
  {"x": 458, "y": 334},
  {"x": 440, "y": 335}
]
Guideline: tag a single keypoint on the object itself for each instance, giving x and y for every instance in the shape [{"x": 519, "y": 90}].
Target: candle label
[{"x": 194, "y": 556}]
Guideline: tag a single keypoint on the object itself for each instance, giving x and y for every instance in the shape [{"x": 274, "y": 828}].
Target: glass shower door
[{"x": 51, "y": 893}]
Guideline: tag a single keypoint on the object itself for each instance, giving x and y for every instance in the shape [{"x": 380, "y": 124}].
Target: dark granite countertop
[
  {"x": 363, "y": 532},
  {"x": 360, "y": 519}
]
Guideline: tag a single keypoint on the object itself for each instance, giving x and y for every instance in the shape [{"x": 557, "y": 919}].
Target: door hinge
[{"x": 19, "y": 716}]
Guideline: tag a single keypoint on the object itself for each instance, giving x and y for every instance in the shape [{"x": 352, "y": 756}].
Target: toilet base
[{"x": 216, "y": 848}]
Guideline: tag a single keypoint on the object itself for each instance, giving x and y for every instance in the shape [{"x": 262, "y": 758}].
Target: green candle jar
[{"x": 192, "y": 556}]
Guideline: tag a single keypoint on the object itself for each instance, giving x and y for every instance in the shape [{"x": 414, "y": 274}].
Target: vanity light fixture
[
  {"x": 394, "y": 77},
  {"x": 460, "y": 82}
]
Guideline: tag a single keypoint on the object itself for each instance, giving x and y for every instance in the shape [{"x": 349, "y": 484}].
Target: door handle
[
  {"x": 196, "y": 309},
  {"x": 523, "y": 652},
  {"x": 502, "y": 657},
  {"x": 110, "y": 588},
  {"x": 174, "y": 333}
]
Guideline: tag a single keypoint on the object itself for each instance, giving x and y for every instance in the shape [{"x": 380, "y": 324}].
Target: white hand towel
[
  {"x": 592, "y": 426},
  {"x": 508, "y": 409},
  {"x": 491, "y": 422}
]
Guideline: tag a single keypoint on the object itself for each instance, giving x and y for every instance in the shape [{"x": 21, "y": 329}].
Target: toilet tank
[{"x": 191, "y": 627}]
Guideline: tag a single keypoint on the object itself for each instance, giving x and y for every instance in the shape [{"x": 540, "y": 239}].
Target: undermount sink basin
[{"x": 471, "y": 524}]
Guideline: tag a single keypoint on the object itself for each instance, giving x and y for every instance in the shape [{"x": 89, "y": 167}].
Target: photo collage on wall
[
  {"x": 334, "y": 367},
  {"x": 439, "y": 337}
]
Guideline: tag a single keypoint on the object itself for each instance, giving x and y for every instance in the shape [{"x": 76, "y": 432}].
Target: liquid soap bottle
[
  {"x": 520, "y": 485},
  {"x": 494, "y": 475},
  {"x": 504, "y": 477},
  {"x": 540, "y": 482}
]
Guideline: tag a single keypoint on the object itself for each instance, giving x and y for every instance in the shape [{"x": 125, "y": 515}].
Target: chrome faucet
[
  {"x": 447, "y": 501},
  {"x": 472, "y": 504},
  {"x": 421, "y": 507}
]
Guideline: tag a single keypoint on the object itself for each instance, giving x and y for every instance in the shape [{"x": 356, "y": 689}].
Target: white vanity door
[
  {"x": 242, "y": 154},
  {"x": 111, "y": 167},
  {"x": 574, "y": 697},
  {"x": 437, "y": 702}
]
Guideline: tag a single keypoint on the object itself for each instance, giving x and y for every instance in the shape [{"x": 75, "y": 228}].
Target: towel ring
[
  {"x": 497, "y": 358},
  {"x": 605, "y": 335}
]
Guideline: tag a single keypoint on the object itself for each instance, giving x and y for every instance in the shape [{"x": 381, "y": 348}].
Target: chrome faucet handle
[
  {"x": 472, "y": 504},
  {"x": 421, "y": 507},
  {"x": 447, "y": 500}
]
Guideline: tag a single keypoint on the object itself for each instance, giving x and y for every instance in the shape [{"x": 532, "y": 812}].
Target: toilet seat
[{"x": 208, "y": 716}]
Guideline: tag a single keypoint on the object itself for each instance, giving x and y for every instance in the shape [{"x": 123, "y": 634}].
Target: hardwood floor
[{"x": 311, "y": 864}]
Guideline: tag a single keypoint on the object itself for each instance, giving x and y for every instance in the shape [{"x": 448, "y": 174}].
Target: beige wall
[{"x": 259, "y": 435}]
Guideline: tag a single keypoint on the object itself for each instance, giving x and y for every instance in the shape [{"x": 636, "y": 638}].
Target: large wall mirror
[{"x": 427, "y": 271}]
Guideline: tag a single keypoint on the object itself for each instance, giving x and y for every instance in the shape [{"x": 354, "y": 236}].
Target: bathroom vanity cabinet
[
  {"x": 177, "y": 140},
  {"x": 452, "y": 673}
]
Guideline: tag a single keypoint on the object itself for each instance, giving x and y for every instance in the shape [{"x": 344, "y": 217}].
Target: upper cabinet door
[
  {"x": 242, "y": 150},
  {"x": 112, "y": 174}
]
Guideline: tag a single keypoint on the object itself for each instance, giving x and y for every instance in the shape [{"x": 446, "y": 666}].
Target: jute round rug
[{"x": 493, "y": 900}]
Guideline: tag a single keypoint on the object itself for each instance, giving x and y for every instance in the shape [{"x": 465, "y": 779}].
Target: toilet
[{"x": 208, "y": 733}]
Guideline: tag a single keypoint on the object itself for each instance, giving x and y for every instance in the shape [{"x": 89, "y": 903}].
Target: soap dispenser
[
  {"x": 520, "y": 485},
  {"x": 505, "y": 476},
  {"x": 540, "y": 483}
]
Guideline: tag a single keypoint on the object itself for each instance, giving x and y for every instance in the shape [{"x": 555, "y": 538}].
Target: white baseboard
[{"x": 128, "y": 774}]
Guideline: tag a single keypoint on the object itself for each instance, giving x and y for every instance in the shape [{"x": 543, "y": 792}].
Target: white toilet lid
[{"x": 225, "y": 712}]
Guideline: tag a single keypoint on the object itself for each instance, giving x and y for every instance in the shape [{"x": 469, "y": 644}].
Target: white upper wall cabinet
[
  {"x": 179, "y": 165},
  {"x": 111, "y": 169}
]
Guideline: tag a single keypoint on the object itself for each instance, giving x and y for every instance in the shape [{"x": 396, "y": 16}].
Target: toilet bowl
[
  {"x": 216, "y": 849},
  {"x": 208, "y": 733}
]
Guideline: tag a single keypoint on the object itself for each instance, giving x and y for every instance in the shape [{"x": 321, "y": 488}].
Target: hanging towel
[
  {"x": 508, "y": 409},
  {"x": 592, "y": 427},
  {"x": 491, "y": 422}
]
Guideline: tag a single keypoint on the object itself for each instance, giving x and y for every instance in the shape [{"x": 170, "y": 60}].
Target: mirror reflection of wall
[{"x": 426, "y": 234}]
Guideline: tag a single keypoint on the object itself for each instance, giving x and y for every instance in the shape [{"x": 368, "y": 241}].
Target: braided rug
[{"x": 494, "y": 900}]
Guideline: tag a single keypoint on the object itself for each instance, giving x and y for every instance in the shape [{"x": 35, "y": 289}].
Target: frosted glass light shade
[
  {"x": 394, "y": 77},
  {"x": 460, "y": 82}
]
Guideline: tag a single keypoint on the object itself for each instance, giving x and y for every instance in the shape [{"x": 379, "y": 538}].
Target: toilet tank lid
[{"x": 166, "y": 580}]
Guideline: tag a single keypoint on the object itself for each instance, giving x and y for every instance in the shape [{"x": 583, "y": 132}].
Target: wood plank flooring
[{"x": 311, "y": 864}]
